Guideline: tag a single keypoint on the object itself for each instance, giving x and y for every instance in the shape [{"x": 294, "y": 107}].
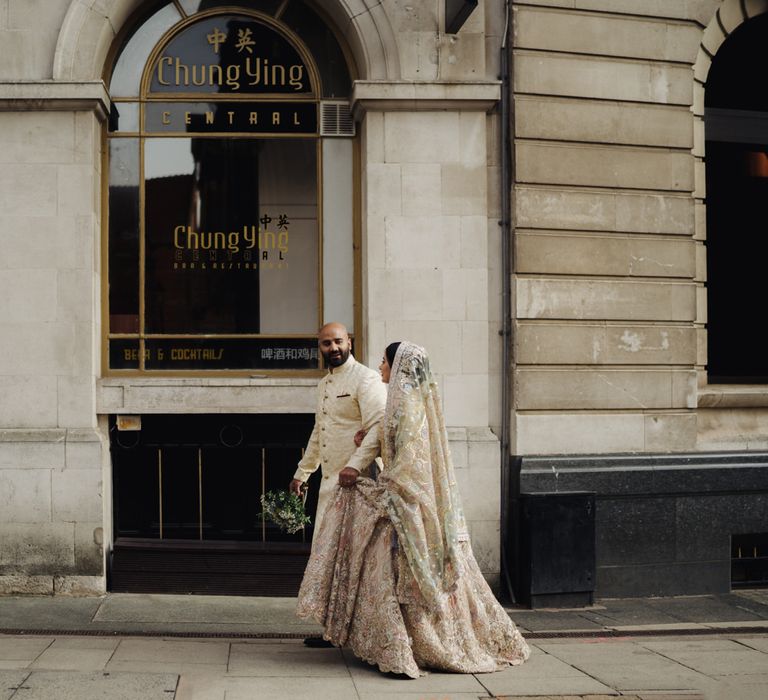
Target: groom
[{"x": 351, "y": 398}]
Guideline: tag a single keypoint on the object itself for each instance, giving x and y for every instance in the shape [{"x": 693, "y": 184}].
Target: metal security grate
[
  {"x": 749, "y": 560},
  {"x": 336, "y": 119}
]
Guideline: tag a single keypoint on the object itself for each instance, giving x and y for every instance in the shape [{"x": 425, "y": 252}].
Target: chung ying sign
[{"x": 232, "y": 55}]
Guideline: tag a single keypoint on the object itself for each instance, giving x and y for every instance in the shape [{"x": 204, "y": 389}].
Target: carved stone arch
[
  {"x": 726, "y": 19},
  {"x": 90, "y": 28}
]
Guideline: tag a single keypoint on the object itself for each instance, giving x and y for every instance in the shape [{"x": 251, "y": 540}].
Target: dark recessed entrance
[{"x": 187, "y": 514}]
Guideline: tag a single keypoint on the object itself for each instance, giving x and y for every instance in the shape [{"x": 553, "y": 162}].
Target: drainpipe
[{"x": 505, "y": 155}]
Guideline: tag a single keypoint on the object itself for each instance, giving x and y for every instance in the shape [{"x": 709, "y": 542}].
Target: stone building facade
[{"x": 606, "y": 383}]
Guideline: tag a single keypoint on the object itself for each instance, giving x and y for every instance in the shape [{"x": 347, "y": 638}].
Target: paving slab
[
  {"x": 231, "y": 688},
  {"x": 18, "y": 653},
  {"x": 553, "y": 620},
  {"x": 721, "y": 608},
  {"x": 669, "y": 627},
  {"x": 743, "y": 624},
  {"x": 251, "y": 614},
  {"x": 10, "y": 681},
  {"x": 759, "y": 643},
  {"x": 712, "y": 657},
  {"x": 627, "y": 666},
  {"x": 759, "y": 595},
  {"x": 285, "y": 660},
  {"x": 628, "y": 612},
  {"x": 369, "y": 680},
  {"x": 47, "y": 612},
  {"x": 170, "y": 655},
  {"x": 664, "y": 695},
  {"x": 422, "y": 696},
  {"x": 63, "y": 659},
  {"x": 171, "y": 650},
  {"x": 514, "y": 688},
  {"x": 47, "y": 685},
  {"x": 539, "y": 665},
  {"x": 736, "y": 690}
]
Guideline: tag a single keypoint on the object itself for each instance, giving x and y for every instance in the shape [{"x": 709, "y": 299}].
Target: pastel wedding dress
[{"x": 392, "y": 575}]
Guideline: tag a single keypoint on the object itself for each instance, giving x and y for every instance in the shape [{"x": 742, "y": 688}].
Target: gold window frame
[{"x": 146, "y": 97}]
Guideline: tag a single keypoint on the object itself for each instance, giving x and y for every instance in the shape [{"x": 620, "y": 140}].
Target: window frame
[{"x": 144, "y": 98}]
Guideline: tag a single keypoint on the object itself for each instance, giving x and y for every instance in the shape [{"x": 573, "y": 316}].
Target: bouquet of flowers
[{"x": 284, "y": 509}]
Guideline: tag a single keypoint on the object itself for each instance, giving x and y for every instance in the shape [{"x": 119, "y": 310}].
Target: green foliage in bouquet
[{"x": 284, "y": 509}]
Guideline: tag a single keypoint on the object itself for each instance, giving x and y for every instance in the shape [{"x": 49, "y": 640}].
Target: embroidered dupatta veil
[{"x": 424, "y": 502}]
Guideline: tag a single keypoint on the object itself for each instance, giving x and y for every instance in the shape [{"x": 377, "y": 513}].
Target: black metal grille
[{"x": 749, "y": 560}]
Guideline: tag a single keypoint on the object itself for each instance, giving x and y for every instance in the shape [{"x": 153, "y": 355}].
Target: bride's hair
[{"x": 391, "y": 351}]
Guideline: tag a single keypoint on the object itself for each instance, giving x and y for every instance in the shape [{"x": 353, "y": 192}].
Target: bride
[{"x": 392, "y": 575}]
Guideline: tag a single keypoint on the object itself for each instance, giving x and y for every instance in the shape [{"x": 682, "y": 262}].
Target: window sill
[
  {"x": 206, "y": 395},
  {"x": 733, "y": 396}
]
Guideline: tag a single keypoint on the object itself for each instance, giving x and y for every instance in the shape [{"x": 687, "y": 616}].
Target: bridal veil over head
[{"x": 424, "y": 503}]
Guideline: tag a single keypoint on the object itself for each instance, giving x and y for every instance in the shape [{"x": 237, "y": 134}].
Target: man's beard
[{"x": 336, "y": 361}]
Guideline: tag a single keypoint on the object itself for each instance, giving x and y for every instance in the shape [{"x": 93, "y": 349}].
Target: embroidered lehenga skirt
[{"x": 357, "y": 585}]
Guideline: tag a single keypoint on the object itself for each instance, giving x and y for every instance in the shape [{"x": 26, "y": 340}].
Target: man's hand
[
  {"x": 295, "y": 487},
  {"x": 359, "y": 437},
  {"x": 348, "y": 477}
]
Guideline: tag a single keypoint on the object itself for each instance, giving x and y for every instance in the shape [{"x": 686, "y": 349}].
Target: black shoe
[{"x": 317, "y": 643}]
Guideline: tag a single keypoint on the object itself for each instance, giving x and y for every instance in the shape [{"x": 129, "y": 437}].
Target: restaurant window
[
  {"x": 227, "y": 246},
  {"x": 736, "y": 127}
]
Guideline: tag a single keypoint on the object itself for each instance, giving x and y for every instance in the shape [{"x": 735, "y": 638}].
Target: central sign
[{"x": 289, "y": 117}]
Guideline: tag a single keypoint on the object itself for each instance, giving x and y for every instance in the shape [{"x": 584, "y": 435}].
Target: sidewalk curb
[{"x": 696, "y": 631}]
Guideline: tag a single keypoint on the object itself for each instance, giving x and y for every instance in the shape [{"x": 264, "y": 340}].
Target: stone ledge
[
  {"x": 28, "y": 435},
  {"x": 49, "y": 435},
  {"x": 52, "y": 95},
  {"x": 223, "y": 395},
  {"x": 204, "y": 382},
  {"x": 412, "y": 96},
  {"x": 732, "y": 396}
]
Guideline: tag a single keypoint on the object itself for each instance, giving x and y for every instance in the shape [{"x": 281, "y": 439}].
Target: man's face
[{"x": 334, "y": 345}]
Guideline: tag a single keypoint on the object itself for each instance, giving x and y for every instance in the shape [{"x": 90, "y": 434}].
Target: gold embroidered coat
[{"x": 349, "y": 398}]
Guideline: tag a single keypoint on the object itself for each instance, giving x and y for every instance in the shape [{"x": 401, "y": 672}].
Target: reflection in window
[
  {"x": 124, "y": 235},
  {"x": 736, "y": 123},
  {"x": 231, "y": 236},
  {"x": 321, "y": 41}
]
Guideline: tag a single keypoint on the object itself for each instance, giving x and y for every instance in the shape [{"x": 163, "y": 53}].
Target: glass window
[
  {"x": 736, "y": 127},
  {"x": 215, "y": 246}
]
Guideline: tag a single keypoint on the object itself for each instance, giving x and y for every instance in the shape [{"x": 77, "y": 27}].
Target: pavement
[{"x": 177, "y": 647}]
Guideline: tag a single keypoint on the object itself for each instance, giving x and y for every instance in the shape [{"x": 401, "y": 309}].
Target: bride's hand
[
  {"x": 359, "y": 437},
  {"x": 348, "y": 477}
]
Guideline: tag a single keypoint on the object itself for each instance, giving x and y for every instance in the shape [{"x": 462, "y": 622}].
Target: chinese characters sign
[{"x": 232, "y": 54}]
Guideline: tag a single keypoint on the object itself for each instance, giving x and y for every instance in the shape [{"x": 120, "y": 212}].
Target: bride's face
[{"x": 384, "y": 368}]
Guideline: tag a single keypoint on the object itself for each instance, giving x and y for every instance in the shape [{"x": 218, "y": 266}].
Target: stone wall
[
  {"x": 50, "y": 455},
  {"x": 431, "y": 246},
  {"x": 29, "y": 30},
  {"x": 430, "y": 264},
  {"x": 607, "y": 268}
]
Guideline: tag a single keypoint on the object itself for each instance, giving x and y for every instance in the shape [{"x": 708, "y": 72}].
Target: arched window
[
  {"x": 736, "y": 123},
  {"x": 227, "y": 246}
]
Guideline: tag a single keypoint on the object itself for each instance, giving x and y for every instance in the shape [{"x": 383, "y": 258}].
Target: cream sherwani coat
[{"x": 350, "y": 397}]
